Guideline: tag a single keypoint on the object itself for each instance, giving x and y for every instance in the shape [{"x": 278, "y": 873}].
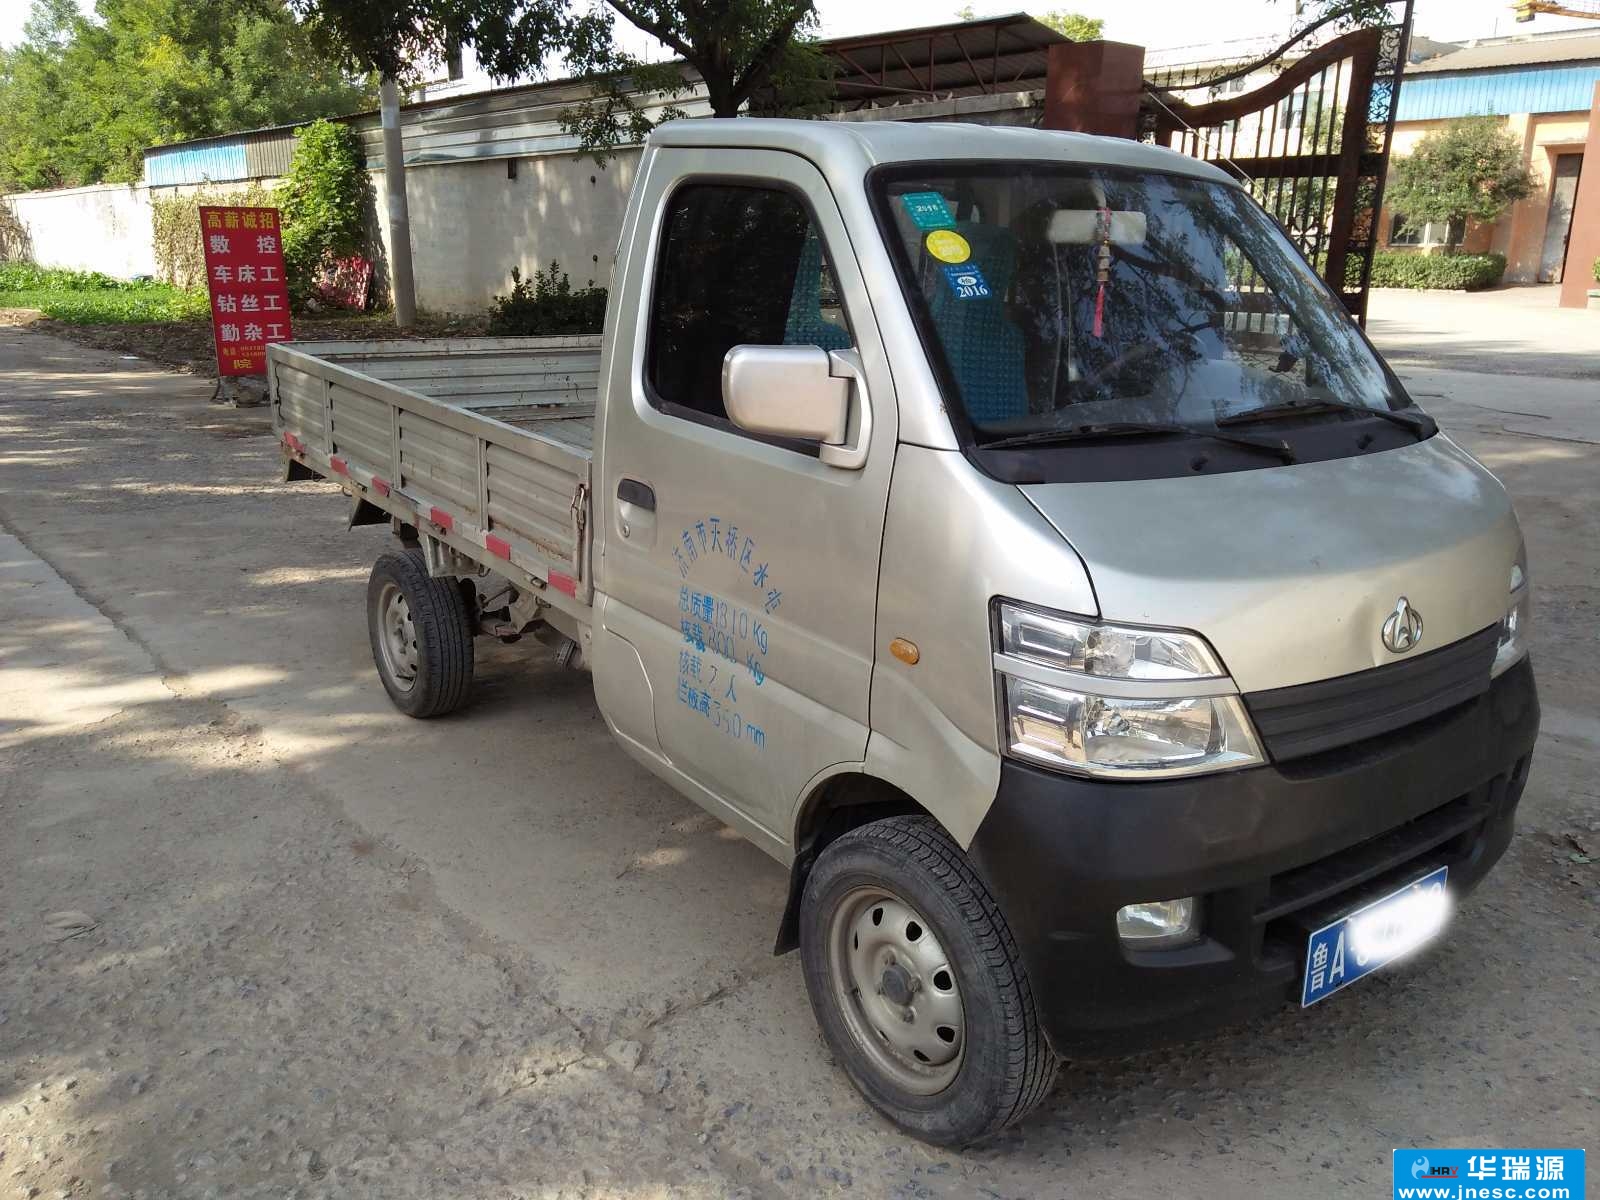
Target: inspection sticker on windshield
[
  {"x": 948, "y": 246},
  {"x": 1358, "y": 944},
  {"x": 927, "y": 210},
  {"x": 967, "y": 282}
]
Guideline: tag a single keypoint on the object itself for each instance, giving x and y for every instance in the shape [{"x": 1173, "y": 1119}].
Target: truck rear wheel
[
  {"x": 917, "y": 985},
  {"x": 421, "y": 636}
]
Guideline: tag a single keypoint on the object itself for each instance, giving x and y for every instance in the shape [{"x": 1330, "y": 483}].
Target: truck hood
[{"x": 1291, "y": 572}]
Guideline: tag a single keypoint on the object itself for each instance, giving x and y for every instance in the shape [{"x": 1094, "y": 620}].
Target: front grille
[
  {"x": 1311, "y": 717},
  {"x": 1311, "y": 885}
]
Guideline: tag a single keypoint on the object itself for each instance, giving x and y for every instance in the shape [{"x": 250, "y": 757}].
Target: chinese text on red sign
[{"x": 249, "y": 295}]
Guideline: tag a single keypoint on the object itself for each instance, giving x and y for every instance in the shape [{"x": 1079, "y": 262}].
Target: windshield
[{"x": 1063, "y": 296}]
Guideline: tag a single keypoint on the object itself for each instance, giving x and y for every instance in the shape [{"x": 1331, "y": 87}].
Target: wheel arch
[{"x": 835, "y": 806}]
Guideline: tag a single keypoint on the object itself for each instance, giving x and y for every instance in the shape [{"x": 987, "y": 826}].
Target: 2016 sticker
[
  {"x": 948, "y": 246},
  {"x": 967, "y": 283},
  {"x": 927, "y": 210}
]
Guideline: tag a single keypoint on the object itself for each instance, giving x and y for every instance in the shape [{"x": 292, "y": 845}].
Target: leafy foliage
[
  {"x": 1075, "y": 27},
  {"x": 175, "y": 220},
  {"x": 1348, "y": 14},
  {"x": 738, "y": 48},
  {"x": 548, "y": 304},
  {"x": 1470, "y": 168},
  {"x": 1597, "y": 270},
  {"x": 81, "y": 98},
  {"x": 1469, "y": 272},
  {"x": 90, "y": 298},
  {"x": 323, "y": 199}
]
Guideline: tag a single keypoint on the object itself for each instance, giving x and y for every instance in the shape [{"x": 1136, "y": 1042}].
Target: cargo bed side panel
[{"x": 501, "y": 474}]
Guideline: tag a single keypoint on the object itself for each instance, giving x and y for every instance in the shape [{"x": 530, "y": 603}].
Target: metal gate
[{"x": 1312, "y": 145}]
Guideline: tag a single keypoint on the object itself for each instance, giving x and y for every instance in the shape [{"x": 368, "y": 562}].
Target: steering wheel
[
  {"x": 1128, "y": 357},
  {"x": 1124, "y": 360}
]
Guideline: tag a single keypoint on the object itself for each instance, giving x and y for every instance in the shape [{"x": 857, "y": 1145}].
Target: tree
[
  {"x": 1470, "y": 168},
  {"x": 323, "y": 199},
  {"x": 1345, "y": 15},
  {"x": 1075, "y": 27},
  {"x": 81, "y": 99},
  {"x": 737, "y": 48}
]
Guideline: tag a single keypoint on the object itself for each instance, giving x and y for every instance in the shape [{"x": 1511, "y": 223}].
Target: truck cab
[{"x": 1012, "y": 535}]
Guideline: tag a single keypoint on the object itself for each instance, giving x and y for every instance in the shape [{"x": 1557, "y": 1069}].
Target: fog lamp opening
[{"x": 1158, "y": 923}]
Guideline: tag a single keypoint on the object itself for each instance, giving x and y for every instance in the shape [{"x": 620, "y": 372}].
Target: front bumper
[{"x": 1273, "y": 852}]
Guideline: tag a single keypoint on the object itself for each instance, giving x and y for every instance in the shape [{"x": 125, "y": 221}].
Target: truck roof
[{"x": 857, "y": 146}]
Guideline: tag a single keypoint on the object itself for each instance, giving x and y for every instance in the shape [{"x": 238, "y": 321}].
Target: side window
[{"x": 739, "y": 265}]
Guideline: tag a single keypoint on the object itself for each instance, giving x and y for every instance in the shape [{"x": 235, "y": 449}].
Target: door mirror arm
[{"x": 851, "y": 455}]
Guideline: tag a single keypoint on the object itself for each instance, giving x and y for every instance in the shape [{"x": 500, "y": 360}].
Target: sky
[{"x": 1158, "y": 24}]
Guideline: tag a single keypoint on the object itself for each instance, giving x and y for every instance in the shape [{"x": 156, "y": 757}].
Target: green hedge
[
  {"x": 1469, "y": 272},
  {"x": 548, "y": 304}
]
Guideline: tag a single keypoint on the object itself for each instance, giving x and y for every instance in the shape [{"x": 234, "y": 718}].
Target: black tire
[
  {"x": 1005, "y": 1067},
  {"x": 438, "y": 677}
]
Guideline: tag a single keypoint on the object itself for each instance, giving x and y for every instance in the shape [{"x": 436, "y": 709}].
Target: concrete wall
[
  {"x": 104, "y": 228},
  {"x": 470, "y": 223}
]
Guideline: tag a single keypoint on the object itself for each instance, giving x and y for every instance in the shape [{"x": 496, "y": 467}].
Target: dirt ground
[
  {"x": 188, "y": 346},
  {"x": 262, "y": 936}
]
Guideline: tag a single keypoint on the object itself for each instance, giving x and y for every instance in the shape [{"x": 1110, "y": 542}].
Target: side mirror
[{"x": 786, "y": 391}]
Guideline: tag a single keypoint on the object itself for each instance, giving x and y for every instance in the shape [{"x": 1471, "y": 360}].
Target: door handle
[
  {"x": 640, "y": 495},
  {"x": 636, "y": 513}
]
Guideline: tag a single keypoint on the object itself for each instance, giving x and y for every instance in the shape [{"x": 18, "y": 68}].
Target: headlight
[
  {"x": 1116, "y": 701},
  {"x": 1513, "y": 645}
]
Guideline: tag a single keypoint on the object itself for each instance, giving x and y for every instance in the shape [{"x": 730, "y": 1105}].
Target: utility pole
[{"x": 401, "y": 284}]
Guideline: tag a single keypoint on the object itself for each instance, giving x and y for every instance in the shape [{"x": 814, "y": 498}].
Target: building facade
[{"x": 1542, "y": 88}]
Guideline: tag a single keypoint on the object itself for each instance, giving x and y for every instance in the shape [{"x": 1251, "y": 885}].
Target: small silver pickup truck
[{"x": 1010, "y": 534}]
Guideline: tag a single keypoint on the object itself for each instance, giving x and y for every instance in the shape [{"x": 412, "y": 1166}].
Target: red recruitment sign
[{"x": 249, "y": 295}]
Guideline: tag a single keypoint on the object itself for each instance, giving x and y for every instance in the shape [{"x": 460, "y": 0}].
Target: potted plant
[{"x": 1594, "y": 292}]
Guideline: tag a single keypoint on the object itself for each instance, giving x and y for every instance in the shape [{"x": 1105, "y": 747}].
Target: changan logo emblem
[{"x": 1403, "y": 629}]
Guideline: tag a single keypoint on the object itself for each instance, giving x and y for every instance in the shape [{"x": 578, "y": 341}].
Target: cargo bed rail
[{"x": 510, "y": 496}]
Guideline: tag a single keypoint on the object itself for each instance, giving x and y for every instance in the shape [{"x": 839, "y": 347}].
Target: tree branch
[
  {"x": 761, "y": 60},
  {"x": 655, "y": 29}
]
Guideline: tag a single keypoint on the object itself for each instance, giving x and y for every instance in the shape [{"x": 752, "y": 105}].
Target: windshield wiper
[
  {"x": 1077, "y": 433},
  {"x": 1418, "y": 422}
]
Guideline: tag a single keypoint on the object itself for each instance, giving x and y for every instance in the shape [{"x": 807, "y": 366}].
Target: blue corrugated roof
[
  {"x": 1498, "y": 93},
  {"x": 165, "y": 166}
]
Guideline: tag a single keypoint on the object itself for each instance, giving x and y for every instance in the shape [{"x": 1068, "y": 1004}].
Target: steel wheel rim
[
  {"x": 397, "y": 636},
  {"x": 896, "y": 988}
]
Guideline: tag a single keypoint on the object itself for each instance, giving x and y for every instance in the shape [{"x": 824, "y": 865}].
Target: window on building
[
  {"x": 1429, "y": 233},
  {"x": 739, "y": 265}
]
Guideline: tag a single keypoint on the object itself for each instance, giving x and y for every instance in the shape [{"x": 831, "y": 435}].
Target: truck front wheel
[
  {"x": 917, "y": 984},
  {"x": 421, "y": 636}
]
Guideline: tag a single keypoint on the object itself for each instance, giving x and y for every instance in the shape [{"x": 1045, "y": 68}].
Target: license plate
[{"x": 1359, "y": 943}]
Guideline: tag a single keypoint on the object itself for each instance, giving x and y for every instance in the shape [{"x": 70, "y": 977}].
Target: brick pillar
[
  {"x": 1094, "y": 87},
  {"x": 1584, "y": 246}
]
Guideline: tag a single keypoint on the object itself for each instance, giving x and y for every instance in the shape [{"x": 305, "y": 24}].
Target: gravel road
[{"x": 262, "y": 936}]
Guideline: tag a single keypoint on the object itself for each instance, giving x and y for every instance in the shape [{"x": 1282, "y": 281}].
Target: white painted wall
[
  {"x": 102, "y": 228},
  {"x": 470, "y": 223}
]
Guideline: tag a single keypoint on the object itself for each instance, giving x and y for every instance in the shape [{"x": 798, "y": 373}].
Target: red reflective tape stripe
[
  {"x": 294, "y": 443},
  {"x": 381, "y": 486},
  {"x": 564, "y": 583},
  {"x": 442, "y": 519},
  {"x": 497, "y": 546},
  {"x": 339, "y": 465}
]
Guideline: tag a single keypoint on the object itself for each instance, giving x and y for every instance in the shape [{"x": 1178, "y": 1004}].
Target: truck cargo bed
[{"x": 483, "y": 443}]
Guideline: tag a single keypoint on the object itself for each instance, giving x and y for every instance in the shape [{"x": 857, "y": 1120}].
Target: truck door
[{"x": 742, "y": 569}]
